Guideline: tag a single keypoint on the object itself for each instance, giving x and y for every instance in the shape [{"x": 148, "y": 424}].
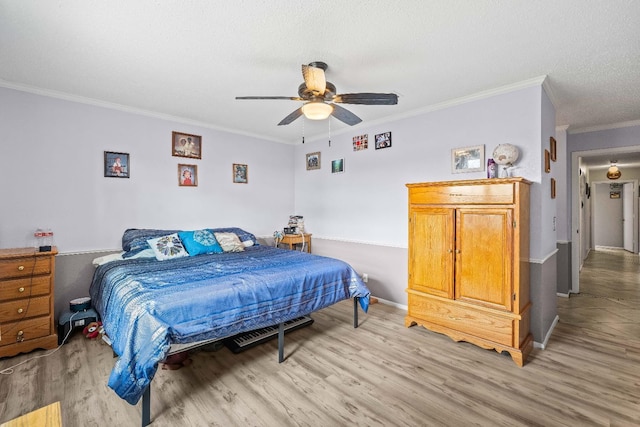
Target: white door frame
[{"x": 576, "y": 261}]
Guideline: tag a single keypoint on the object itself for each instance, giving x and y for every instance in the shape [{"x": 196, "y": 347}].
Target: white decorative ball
[{"x": 506, "y": 154}]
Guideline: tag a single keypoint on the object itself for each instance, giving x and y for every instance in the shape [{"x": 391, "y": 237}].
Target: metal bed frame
[{"x": 146, "y": 396}]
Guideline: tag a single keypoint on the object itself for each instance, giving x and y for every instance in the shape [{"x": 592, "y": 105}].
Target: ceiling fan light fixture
[
  {"x": 316, "y": 110},
  {"x": 613, "y": 172}
]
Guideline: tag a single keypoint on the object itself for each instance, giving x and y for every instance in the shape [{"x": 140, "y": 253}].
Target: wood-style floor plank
[{"x": 379, "y": 374}]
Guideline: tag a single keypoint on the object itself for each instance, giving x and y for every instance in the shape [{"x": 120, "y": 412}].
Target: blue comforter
[{"x": 147, "y": 304}]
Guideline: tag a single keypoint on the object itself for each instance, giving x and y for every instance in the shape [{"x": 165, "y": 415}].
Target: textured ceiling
[{"x": 189, "y": 59}]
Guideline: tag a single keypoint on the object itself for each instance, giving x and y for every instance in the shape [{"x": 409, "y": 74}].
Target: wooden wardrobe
[{"x": 469, "y": 262}]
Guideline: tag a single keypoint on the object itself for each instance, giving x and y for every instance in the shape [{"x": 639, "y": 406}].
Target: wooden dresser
[
  {"x": 469, "y": 262},
  {"x": 26, "y": 300}
]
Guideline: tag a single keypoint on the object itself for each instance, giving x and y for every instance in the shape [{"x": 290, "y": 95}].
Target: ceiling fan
[{"x": 321, "y": 98}]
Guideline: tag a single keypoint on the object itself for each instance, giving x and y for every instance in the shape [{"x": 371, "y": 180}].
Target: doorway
[{"x": 580, "y": 229}]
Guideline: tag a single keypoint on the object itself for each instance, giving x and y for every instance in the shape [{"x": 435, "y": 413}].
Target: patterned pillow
[
  {"x": 200, "y": 242},
  {"x": 167, "y": 247},
  {"x": 243, "y": 235},
  {"x": 229, "y": 242}
]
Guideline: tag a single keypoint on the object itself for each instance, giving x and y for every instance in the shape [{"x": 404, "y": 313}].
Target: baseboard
[
  {"x": 543, "y": 345},
  {"x": 393, "y": 304}
]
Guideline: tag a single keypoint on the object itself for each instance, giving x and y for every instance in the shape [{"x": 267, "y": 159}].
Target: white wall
[
  {"x": 368, "y": 202},
  {"x": 52, "y": 175}
]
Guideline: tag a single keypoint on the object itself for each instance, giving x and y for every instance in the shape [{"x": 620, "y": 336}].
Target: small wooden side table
[{"x": 297, "y": 239}]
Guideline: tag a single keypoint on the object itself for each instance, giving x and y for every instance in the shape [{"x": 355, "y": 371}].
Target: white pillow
[
  {"x": 229, "y": 242},
  {"x": 107, "y": 258},
  {"x": 168, "y": 247}
]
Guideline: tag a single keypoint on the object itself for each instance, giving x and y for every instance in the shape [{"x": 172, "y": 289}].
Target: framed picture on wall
[
  {"x": 240, "y": 173},
  {"x": 313, "y": 161},
  {"x": 467, "y": 159},
  {"x": 186, "y": 145},
  {"x": 337, "y": 166},
  {"x": 547, "y": 161},
  {"x": 187, "y": 175},
  {"x": 383, "y": 140},
  {"x": 116, "y": 165},
  {"x": 553, "y": 147}
]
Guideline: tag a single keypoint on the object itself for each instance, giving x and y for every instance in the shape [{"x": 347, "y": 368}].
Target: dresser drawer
[
  {"x": 24, "y": 308},
  {"x": 25, "y": 330},
  {"x": 24, "y": 288},
  {"x": 462, "y": 194},
  {"x": 24, "y": 267},
  {"x": 494, "y": 327}
]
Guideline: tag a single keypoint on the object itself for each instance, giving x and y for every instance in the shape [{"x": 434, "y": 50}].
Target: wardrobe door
[
  {"x": 431, "y": 250},
  {"x": 484, "y": 257}
]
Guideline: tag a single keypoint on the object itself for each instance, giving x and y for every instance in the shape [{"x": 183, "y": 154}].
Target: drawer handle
[
  {"x": 20, "y": 267},
  {"x": 449, "y": 251},
  {"x": 20, "y": 310},
  {"x": 20, "y": 336},
  {"x": 457, "y": 251},
  {"x": 20, "y": 289}
]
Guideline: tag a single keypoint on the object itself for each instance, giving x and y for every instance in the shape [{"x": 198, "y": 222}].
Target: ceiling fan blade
[
  {"x": 290, "y": 98},
  {"x": 367, "y": 98},
  {"x": 345, "y": 115},
  {"x": 314, "y": 79},
  {"x": 291, "y": 117}
]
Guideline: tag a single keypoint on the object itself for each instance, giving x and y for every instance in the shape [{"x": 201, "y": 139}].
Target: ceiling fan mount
[{"x": 322, "y": 98}]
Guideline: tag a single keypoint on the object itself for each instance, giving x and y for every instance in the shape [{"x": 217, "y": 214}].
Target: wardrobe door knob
[
  {"x": 20, "y": 289},
  {"x": 20, "y": 310},
  {"x": 20, "y": 267}
]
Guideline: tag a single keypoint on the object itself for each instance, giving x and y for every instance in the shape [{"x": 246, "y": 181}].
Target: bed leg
[
  {"x": 146, "y": 406},
  {"x": 281, "y": 342},
  {"x": 355, "y": 312}
]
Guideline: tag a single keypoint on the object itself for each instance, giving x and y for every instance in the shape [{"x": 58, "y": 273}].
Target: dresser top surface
[{"x": 23, "y": 252}]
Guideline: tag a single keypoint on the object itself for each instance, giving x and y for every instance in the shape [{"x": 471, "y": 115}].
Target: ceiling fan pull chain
[
  {"x": 329, "y": 131},
  {"x": 303, "y": 120}
]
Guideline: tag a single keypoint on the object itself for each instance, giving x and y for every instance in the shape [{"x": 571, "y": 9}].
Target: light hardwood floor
[{"x": 381, "y": 374}]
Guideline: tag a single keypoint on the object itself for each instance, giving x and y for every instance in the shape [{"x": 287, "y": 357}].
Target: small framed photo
[
  {"x": 553, "y": 148},
  {"x": 187, "y": 175},
  {"x": 467, "y": 159},
  {"x": 116, "y": 165},
  {"x": 360, "y": 142},
  {"x": 337, "y": 166},
  {"x": 547, "y": 161},
  {"x": 240, "y": 173},
  {"x": 186, "y": 145},
  {"x": 383, "y": 140},
  {"x": 313, "y": 161}
]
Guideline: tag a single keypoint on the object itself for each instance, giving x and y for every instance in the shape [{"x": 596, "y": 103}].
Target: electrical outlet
[{"x": 365, "y": 277}]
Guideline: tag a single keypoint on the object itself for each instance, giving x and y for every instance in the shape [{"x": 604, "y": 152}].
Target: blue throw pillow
[{"x": 200, "y": 242}]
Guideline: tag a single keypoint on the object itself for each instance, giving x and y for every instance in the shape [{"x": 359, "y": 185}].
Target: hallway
[{"x": 609, "y": 298}]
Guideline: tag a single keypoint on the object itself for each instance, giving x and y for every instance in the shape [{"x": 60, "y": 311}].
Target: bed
[{"x": 146, "y": 304}]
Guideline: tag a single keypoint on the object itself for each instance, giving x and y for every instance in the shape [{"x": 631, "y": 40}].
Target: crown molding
[
  {"x": 606, "y": 127},
  {"x": 536, "y": 81},
  {"x": 132, "y": 110}
]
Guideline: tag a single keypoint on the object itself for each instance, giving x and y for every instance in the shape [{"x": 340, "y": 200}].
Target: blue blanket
[{"x": 146, "y": 305}]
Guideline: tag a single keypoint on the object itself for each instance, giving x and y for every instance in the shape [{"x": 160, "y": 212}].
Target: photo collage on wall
[{"x": 360, "y": 143}]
